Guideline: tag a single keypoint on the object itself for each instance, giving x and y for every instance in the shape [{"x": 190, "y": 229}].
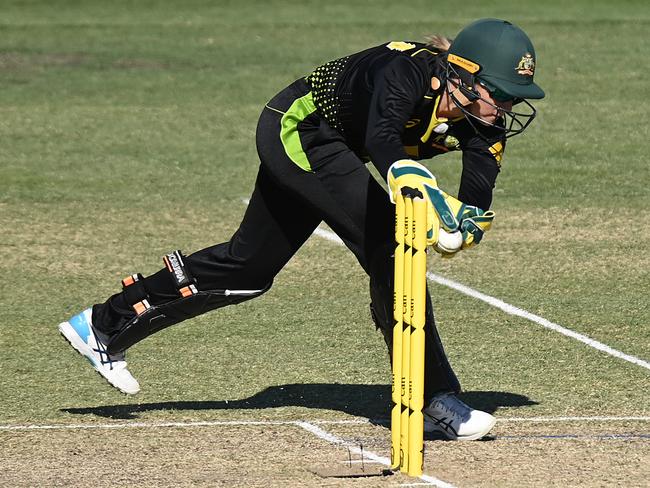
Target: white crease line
[
  {"x": 416, "y": 484},
  {"x": 361, "y": 461},
  {"x": 591, "y": 418},
  {"x": 137, "y": 425},
  {"x": 512, "y": 310},
  {"x": 216, "y": 423},
  {"x": 328, "y": 234},
  {"x": 332, "y": 439},
  {"x": 574, "y": 419},
  {"x": 157, "y": 425}
]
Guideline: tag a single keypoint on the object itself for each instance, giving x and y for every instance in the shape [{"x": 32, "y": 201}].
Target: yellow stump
[
  {"x": 416, "y": 353},
  {"x": 407, "y": 307},
  {"x": 407, "y": 423},
  {"x": 397, "y": 334}
]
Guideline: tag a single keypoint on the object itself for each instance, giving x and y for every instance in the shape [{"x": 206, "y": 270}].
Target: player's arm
[
  {"x": 397, "y": 87},
  {"x": 481, "y": 166},
  {"x": 461, "y": 222}
]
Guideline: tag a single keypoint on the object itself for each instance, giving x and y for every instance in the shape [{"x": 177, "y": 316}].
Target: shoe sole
[
  {"x": 472, "y": 437},
  {"x": 70, "y": 334}
]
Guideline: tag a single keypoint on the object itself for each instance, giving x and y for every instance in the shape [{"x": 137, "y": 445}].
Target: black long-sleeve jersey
[{"x": 382, "y": 101}]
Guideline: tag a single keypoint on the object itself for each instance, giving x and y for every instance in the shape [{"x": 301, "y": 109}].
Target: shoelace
[
  {"x": 453, "y": 406},
  {"x": 101, "y": 349},
  {"x": 441, "y": 421}
]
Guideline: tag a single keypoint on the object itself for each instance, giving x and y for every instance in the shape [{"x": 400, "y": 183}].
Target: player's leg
[
  {"x": 360, "y": 212},
  {"x": 275, "y": 225},
  {"x": 362, "y": 215},
  {"x": 445, "y": 413},
  {"x": 439, "y": 375}
]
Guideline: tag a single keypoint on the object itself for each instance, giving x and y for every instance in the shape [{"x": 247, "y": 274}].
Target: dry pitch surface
[{"x": 276, "y": 454}]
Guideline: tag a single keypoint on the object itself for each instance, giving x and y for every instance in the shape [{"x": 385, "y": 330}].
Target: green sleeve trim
[{"x": 299, "y": 110}]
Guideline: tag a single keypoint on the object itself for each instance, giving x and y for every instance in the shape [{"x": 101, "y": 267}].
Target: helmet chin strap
[
  {"x": 457, "y": 96},
  {"x": 462, "y": 103}
]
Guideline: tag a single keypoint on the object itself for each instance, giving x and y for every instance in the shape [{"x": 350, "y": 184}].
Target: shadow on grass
[{"x": 369, "y": 401}]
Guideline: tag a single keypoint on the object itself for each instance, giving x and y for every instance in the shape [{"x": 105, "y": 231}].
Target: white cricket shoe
[
  {"x": 90, "y": 343},
  {"x": 456, "y": 420}
]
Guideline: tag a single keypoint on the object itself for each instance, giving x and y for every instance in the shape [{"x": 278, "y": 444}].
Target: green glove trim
[
  {"x": 408, "y": 170},
  {"x": 447, "y": 217}
]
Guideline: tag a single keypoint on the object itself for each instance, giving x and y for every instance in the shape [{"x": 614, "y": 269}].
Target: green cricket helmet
[{"x": 500, "y": 56}]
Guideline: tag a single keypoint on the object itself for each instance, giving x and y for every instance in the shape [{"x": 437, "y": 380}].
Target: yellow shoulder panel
[
  {"x": 400, "y": 46},
  {"x": 497, "y": 151}
]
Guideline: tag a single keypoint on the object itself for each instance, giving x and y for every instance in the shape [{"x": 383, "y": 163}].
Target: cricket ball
[{"x": 449, "y": 242}]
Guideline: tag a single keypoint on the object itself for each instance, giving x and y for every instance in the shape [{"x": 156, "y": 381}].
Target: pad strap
[
  {"x": 135, "y": 293},
  {"x": 183, "y": 279}
]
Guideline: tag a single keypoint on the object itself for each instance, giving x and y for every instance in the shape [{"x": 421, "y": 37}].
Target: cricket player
[{"x": 388, "y": 106}]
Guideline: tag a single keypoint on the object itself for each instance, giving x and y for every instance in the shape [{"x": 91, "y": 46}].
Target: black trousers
[{"x": 287, "y": 204}]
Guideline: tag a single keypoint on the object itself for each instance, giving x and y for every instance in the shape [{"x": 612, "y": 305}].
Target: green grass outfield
[{"x": 127, "y": 130}]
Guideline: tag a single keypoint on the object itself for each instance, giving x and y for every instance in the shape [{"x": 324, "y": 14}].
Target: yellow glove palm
[
  {"x": 444, "y": 212},
  {"x": 407, "y": 173}
]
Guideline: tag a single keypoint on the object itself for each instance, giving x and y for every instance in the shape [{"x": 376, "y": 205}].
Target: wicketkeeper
[{"x": 389, "y": 106}]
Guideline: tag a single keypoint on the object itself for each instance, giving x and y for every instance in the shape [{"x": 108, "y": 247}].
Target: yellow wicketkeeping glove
[{"x": 451, "y": 225}]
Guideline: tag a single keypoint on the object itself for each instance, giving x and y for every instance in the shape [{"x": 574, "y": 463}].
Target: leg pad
[
  {"x": 158, "y": 317},
  {"x": 190, "y": 302}
]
